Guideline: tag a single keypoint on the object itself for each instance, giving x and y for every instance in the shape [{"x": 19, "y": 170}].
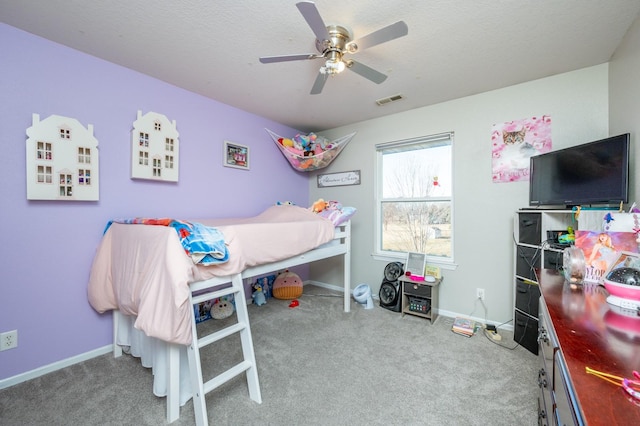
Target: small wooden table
[{"x": 420, "y": 298}]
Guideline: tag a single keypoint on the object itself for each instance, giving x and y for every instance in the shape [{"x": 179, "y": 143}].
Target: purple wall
[{"x": 47, "y": 246}]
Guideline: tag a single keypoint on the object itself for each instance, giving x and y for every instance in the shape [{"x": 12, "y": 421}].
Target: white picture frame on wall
[{"x": 235, "y": 155}]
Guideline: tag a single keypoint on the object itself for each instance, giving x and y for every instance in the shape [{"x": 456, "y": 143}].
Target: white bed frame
[{"x": 339, "y": 246}]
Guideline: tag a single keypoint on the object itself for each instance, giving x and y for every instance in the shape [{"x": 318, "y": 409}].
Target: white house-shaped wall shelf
[
  {"x": 154, "y": 148},
  {"x": 62, "y": 160}
]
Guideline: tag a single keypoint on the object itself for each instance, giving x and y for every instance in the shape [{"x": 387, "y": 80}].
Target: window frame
[{"x": 446, "y": 138}]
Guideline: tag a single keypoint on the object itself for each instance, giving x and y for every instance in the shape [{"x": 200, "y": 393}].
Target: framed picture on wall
[{"x": 236, "y": 155}]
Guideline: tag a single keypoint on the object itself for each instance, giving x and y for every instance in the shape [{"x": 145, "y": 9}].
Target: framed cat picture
[{"x": 514, "y": 143}]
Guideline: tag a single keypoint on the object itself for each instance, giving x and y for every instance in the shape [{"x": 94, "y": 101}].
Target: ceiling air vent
[{"x": 389, "y": 99}]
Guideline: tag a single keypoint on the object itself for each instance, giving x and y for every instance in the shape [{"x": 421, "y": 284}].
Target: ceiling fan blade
[
  {"x": 318, "y": 85},
  {"x": 312, "y": 16},
  {"x": 367, "y": 72},
  {"x": 286, "y": 58},
  {"x": 388, "y": 33}
]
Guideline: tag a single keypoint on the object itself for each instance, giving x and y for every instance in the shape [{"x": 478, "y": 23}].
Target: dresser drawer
[{"x": 421, "y": 290}]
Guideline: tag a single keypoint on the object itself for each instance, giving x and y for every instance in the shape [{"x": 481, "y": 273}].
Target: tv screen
[{"x": 592, "y": 173}]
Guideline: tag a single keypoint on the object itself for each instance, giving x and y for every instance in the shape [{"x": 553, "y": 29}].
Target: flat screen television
[{"x": 594, "y": 173}]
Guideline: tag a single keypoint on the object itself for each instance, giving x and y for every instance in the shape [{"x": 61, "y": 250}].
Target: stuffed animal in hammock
[{"x": 287, "y": 285}]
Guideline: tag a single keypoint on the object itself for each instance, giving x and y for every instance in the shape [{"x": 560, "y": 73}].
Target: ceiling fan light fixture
[
  {"x": 352, "y": 47},
  {"x": 334, "y": 64},
  {"x": 334, "y": 41}
]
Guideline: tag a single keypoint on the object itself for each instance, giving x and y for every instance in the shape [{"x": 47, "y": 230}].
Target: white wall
[
  {"x": 624, "y": 97},
  {"x": 483, "y": 218}
]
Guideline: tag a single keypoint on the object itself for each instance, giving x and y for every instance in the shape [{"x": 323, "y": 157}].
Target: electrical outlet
[
  {"x": 480, "y": 293},
  {"x": 8, "y": 340}
]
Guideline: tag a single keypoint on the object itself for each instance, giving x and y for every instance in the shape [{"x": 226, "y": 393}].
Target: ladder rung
[
  {"x": 213, "y": 295},
  {"x": 226, "y": 376},
  {"x": 219, "y": 335}
]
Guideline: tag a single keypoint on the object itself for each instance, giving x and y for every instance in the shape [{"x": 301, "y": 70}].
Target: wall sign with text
[{"x": 339, "y": 179}]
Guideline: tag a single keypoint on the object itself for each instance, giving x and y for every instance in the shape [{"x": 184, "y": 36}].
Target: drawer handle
[{"x": 542, "y": 382}]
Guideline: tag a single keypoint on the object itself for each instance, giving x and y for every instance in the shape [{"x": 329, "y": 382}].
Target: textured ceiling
[{"x": 454, "y": 48}]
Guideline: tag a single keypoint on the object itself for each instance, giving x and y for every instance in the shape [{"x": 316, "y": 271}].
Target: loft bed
[{"x": 143, "y": 275}]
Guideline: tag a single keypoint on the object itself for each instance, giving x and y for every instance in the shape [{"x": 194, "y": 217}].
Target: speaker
[{"x": 390, "y": 291}]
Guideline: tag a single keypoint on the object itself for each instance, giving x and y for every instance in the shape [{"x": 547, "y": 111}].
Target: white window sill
[{"x": 446, "y": 265}]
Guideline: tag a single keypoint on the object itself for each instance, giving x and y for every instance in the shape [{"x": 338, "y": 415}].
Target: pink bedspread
[{"x": 143, "y": 270}]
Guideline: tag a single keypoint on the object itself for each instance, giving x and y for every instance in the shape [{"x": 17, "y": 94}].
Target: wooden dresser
[{"x": 578, "y": 328}]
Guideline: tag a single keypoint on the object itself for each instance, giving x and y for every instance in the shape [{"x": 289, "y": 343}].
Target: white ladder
[{"x": 200, "y": 388}]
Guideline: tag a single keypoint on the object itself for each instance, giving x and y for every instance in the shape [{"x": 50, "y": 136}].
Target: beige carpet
[{"x": 317, "y": 366}]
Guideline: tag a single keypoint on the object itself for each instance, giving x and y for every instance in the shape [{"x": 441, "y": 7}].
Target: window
[
  {"x": 84, "y": 177},
  {"x": 66, "y": 185},
  {"x": 414, "y": 204},
  {"x": 44, "y": 151},
  {"x": 143, "y": 141},
  {"x": 84, "y": 155},
  {"x": 143, "y": 158},
  {"x": 168, "y": 144},
  {"x": 45, "y": 174},
  {"x": 157, "y": 167}
]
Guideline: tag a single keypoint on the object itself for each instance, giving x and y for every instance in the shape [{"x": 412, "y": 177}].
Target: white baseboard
[
  {"x": 325, "y": 285},
  {"x": 58, "y": 365},
  {"x": 440, "y": 311}
]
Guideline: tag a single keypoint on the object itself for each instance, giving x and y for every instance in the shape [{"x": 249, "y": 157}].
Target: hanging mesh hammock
[{"x": 308, "y": 163}]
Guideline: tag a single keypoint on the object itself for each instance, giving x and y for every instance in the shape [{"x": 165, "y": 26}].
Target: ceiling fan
[{"x": 334, "y": 42}]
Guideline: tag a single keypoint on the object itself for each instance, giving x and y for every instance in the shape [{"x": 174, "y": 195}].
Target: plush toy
[
  {"x": 324, "y": 143},
  {"x": 297, "y": 144},
  {"x": 258, "y": 295},
  {"x": 286, "y": 142},
  {"x": 287, "y": 285},
  {"x": 222, "y": 308},
  {"x": 306, "y": 164},
  {"x": 285, "y": 203},
  {"x": 306, "y": 145},
  {"x": 334, "y": 205},
  {"x": 318, "y": 206}
]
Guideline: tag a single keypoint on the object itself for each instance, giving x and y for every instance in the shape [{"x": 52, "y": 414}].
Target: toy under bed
[{"x": 143, "y": 274}]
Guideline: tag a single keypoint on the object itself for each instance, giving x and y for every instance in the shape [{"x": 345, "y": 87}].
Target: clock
[{"x": 393, "y": 271}]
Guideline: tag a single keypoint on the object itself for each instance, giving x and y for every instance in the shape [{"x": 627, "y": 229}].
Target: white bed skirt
[{"x": 153, "y": 354}]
